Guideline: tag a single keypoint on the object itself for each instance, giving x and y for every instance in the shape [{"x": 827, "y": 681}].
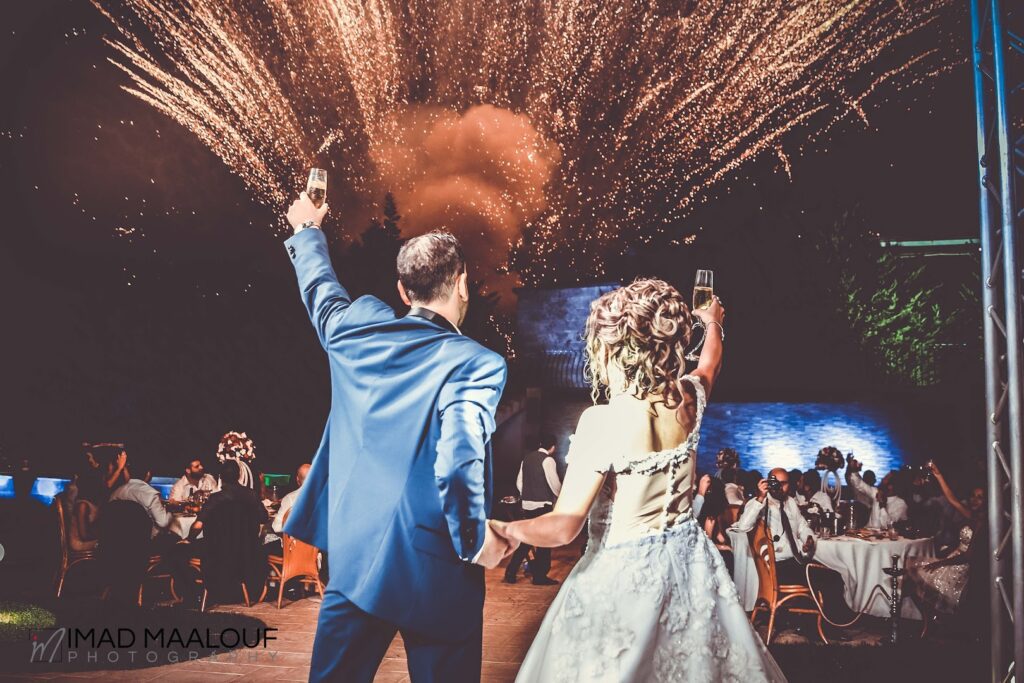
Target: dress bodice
[{"x": 647, "y": 493}]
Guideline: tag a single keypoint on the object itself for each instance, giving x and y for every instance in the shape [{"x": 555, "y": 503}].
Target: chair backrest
[
  {"x": 762, "y": 549},
  {"x": 299, "y": 556},
  {"x": 63, "y": 512}
]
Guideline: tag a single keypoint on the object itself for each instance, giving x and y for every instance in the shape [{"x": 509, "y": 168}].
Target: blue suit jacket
[{"x": 399, "y": 490}]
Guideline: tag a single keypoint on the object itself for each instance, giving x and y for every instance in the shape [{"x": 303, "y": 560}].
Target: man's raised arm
[{"x": 324, "y": 297}]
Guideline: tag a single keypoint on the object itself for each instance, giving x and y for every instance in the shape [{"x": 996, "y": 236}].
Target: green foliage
[
  {"x": 17, "y": 619},
  {"x": 892, "y": 310}
]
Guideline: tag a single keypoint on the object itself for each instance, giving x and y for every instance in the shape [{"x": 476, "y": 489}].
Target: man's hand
[
  {"x": 853, "y": 466},
  {"x": 496, "y": 548},
  {"x": 704, "y": 485},
  {"x": 762, "y": 490},
  {"x": 808, "y": 544},
  {"x": 303, "y": 210}
]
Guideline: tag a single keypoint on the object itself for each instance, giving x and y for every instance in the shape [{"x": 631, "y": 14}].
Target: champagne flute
[
  {"x": 703, "y": 295},
  {"x": 703, "y": 289},
  {"x": 316, "y": 187}
]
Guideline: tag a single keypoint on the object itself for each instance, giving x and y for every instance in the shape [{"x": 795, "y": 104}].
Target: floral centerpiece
[{"x": 239, "y": 447}]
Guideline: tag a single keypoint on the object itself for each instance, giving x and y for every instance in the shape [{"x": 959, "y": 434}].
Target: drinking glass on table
[{"x": 703, "y": 295}]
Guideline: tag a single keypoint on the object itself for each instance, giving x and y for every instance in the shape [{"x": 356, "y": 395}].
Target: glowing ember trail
[{"x": 610, "y": 118}]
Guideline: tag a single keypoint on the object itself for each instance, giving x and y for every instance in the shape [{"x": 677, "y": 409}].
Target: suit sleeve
[
  {"x": 467, "y": 404},
  {"x": 325, "y": 299}
]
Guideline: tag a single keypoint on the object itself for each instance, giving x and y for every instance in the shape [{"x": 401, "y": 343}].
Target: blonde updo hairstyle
[{"x": 643, "y": 329}]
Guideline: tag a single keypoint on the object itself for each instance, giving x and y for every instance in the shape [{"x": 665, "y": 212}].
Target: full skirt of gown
[{"x": 661, "y": 607}]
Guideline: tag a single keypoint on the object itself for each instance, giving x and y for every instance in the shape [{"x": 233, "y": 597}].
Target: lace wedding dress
[{"x": 651, "y": 599}]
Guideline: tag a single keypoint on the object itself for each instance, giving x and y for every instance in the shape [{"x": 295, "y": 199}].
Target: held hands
[
  {"x": 303, "y": 210},
  {"x": 496, "y": 545}
]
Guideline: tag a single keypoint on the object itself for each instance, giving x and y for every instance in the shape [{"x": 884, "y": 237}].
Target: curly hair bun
[{"x": 643, "y": 329}]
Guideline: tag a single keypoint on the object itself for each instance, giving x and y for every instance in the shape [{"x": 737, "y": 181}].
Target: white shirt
[
  {"x": 734, "y": 494},
  {"x": 286, "y": 504},
  {"x": 820, "y": 498},
  {"x": 183, "y": 487},
  {"x": 138, "y": 491},
  {"x": 801, "y": 529},
  {"x": 882, "y": 517},
  {"x": 550, "y": 475}
]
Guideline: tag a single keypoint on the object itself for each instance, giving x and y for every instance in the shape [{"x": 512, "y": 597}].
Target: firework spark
[{"x": 648, "y": 102}]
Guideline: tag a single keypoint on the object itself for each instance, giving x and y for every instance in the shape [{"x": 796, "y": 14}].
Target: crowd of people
[{"x": 111, "y": 507}]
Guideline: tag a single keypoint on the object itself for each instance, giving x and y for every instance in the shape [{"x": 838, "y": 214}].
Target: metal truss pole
[{"x": 997, "y": 52}]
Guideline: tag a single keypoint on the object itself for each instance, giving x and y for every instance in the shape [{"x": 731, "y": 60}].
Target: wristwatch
[{"x": 308, "y": 224}]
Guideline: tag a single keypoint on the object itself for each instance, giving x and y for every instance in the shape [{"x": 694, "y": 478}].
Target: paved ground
[{"x": 512, "y": 616}]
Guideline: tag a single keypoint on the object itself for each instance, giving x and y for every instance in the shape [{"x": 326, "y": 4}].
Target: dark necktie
[{"x": 787, "y": 529}]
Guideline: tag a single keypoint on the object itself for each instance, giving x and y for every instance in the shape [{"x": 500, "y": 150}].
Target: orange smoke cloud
[{"x": 481, "y": 174}]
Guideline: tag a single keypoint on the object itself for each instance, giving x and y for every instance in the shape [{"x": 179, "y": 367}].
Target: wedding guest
[
  {"x": 194, "y": 479},
  {"x": 793, "y": 540},
  {"x": 539, "y": 486},
  {"x": 289, "y": 500},
  {"x": 942, "y": 585},
  {"x": 84, "y": 508},
  {"x": 795, "y": 481},
  {"x": 230, "y": 549},
  {"x": 272, "y": 542},
  {"x": 811, "y": 493},
  {"x": 869, "y": 477},
  {"x": 138, "y": 490},
  {"x": 712, "y": 503},
  {"x": 885, "y": 502}
]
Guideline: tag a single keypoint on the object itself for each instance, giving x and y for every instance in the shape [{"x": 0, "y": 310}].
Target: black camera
[{"x": 776, "y": 487}]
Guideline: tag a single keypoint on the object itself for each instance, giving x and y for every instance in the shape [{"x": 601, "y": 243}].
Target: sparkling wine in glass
[
  {"x": 703, "y": 289},
  {"x": 703, "y": 295},
  {"x": 316, "y": 187}
]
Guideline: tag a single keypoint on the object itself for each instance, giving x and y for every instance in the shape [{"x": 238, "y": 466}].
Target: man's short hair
[
  {"x": 429, "y": 264},
  {"x": 546, "y": 440},
  {"x": 812, "y": 479}
]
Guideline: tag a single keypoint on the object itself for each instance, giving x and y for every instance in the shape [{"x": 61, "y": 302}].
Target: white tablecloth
[
  {"x": 181, "y": 524},
  {"x": 859, "y": 562}
]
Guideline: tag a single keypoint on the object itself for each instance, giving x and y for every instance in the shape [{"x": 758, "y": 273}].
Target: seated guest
[
  {"x": 886, "y": 502},
  {"x": 272, "y": 542},
  {"x": 194, "y": 479},
  {"x": 795, "y": 481},
  {"x": 230, "y": 549},
  {"x": 84, "y": 510},
  {"x": 289, "y": 500},
  {"x": 942, "y": 585},
  {"x": 794, "y": 542},
  {"x": 138, "y": 490},
  {"x": 708, "y": 505},
  {"x": 811, "y": 493}
]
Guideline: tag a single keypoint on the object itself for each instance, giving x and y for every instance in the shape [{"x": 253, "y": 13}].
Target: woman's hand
[{"x": 713, "y": 313}]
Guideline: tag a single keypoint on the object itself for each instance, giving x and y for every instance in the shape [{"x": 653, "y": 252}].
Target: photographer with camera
[
  {"x": 790, "y": 532},
  {"x": 794, "y": 542}
]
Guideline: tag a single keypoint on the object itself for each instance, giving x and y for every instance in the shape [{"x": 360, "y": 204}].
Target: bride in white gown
[{"x": 651, "y": 599}]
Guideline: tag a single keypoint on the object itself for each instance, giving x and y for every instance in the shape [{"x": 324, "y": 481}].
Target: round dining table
[{"x": 861, "y": 563}]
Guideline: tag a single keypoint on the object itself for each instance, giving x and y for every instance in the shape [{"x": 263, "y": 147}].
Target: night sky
[{"x": 146, "y": 297}]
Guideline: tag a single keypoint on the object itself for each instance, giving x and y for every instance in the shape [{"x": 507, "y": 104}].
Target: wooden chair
[
  {"x": 68, "y": 557},
  {"x": 197, "y": 564},
  {"x": 297, "y": 561},
  {"x": 157, "y": 569},
  {"x": 771, "y": 596}
]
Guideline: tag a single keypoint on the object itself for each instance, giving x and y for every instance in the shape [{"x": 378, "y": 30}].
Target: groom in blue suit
[{"x": 400, "y": 489}]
